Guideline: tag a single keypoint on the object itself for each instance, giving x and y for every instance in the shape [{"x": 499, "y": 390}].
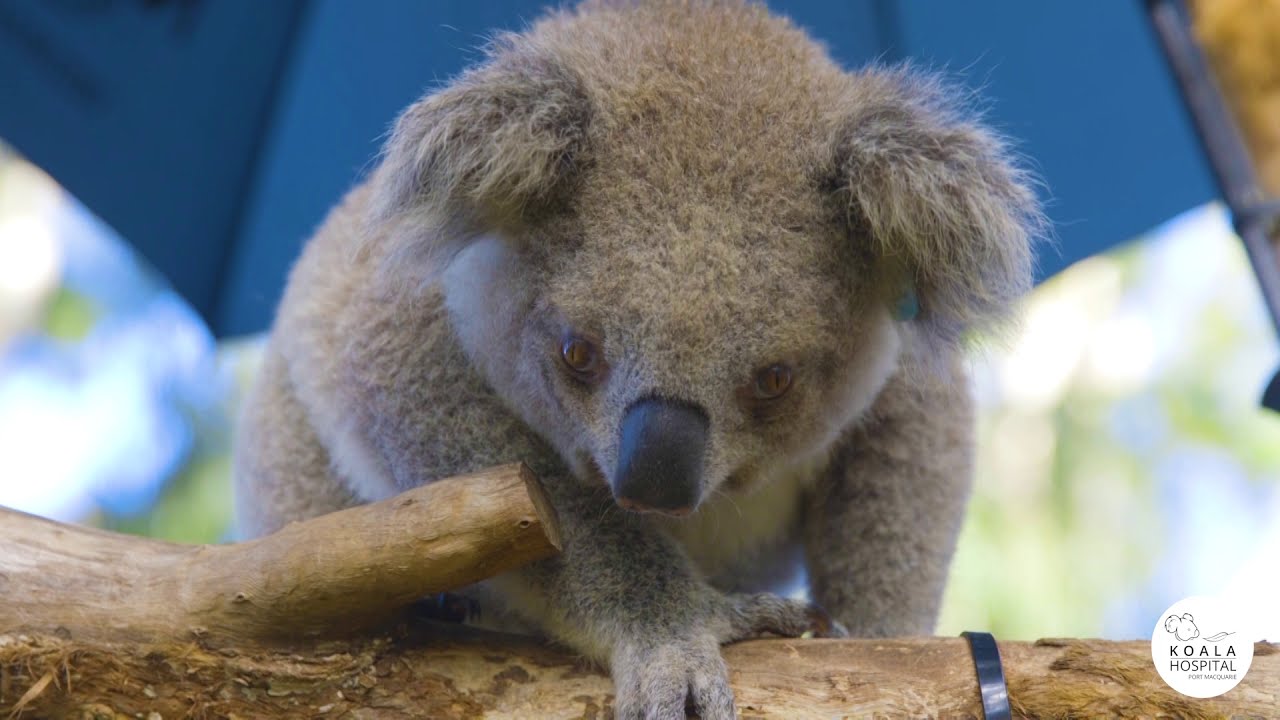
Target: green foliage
[
  {"x": 1070, "y": 520},
  {"x": 69, "y": 315}
]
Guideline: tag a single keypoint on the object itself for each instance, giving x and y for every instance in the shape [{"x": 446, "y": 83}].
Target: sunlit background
[{"x": 1124, "y": 461}]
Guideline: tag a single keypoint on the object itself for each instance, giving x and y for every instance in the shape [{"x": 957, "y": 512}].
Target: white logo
[{"x": 1201, "y": 648}]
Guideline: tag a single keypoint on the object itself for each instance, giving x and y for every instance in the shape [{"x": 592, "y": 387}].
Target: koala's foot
[{"x": 752, "y": 615}]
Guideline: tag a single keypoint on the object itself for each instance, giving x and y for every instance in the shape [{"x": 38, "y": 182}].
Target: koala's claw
[
  {"x": 823, "y": 625},
  {"x": 665, "y": 681},
  {"x": 760, "y": 613}
]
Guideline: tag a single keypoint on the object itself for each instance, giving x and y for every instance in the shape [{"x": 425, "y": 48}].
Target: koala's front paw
[
  {"x": 754, "y": 614},
  {"x": 658, "y": 681}
]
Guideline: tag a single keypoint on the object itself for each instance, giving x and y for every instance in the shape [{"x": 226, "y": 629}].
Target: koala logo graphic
[{"x": 1184, "y": 626}]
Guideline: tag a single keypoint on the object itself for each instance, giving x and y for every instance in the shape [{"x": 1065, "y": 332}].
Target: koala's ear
[
  {"x": 945, "y": 213},
  {"x": 486, "y": 152}
]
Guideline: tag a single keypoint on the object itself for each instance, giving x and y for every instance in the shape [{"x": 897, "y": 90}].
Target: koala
[{"x": 714, "y": 290}]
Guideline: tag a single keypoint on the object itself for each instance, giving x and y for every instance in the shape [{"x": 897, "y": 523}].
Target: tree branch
[
  {"x": 447, "y": 671},
  {"x": 103, "y": 626},
  {"x": 325, "y": 577}
]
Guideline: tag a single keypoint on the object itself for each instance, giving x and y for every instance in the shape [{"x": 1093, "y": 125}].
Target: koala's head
[{"x": 690, "y": 250}]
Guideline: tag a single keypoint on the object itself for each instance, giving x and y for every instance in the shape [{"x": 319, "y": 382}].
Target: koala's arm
[
  {"x": 626, "y": 594},
  {"x": 882, "y": 523}
]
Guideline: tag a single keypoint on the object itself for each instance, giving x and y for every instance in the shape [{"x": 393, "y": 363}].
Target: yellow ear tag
[{"x": 908, "y": 305}]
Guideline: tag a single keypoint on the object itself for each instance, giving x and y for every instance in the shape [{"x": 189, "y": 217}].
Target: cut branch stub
[{"x": 328, "y": 576}]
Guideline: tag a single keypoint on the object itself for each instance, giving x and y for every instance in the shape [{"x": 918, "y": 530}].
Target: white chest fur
[{"x": 748, "y": 541}]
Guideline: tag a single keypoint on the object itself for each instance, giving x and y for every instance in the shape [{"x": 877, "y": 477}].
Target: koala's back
[{"x": 364, "y": 390}]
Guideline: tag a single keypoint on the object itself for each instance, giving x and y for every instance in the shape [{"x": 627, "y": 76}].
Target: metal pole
[{"x": 1256, "y": 218}]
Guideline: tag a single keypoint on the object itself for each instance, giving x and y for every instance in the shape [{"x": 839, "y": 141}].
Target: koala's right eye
[
  {"x": 582, "y": 357},
  {"x": 773, "y": 382}
]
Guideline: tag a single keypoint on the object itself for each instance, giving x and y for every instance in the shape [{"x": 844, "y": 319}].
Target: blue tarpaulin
[{"x": 214, "y": 135}]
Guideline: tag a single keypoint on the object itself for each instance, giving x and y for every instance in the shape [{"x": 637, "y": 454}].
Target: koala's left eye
[{"x": 773, "y": 381}]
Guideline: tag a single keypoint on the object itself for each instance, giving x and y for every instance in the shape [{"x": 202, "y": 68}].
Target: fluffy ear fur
[
  {"x": 488, "y": 152},
  {"x": 945, "y": 211}
]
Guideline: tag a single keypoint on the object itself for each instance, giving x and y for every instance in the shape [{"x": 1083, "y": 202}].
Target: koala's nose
[{"x": 660, "y": 458}]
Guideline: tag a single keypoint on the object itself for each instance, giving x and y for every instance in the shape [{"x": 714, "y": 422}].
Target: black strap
[{"x": 986, "y": 660}]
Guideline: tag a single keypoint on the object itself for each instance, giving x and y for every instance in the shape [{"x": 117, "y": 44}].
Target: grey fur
[{"x": 698, "y": 186}]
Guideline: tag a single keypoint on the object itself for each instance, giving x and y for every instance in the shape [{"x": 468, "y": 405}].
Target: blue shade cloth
[
  {"x": 214, "y": 135},
  {"x": 153, "y": 114}
]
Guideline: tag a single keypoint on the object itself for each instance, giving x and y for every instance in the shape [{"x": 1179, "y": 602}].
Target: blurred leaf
[
  {"x": 196, "y": 506},
  {"x": 69, "y": 316}
]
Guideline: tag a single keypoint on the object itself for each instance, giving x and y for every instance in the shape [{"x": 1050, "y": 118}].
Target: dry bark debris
[{"x": 430, "y": 670}]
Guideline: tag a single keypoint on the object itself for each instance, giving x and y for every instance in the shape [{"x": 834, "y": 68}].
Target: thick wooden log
[
  {"x": 440, "y": 671},
  {"x": 327, "y": 576},
  {"x": 103, "y": 626}
]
